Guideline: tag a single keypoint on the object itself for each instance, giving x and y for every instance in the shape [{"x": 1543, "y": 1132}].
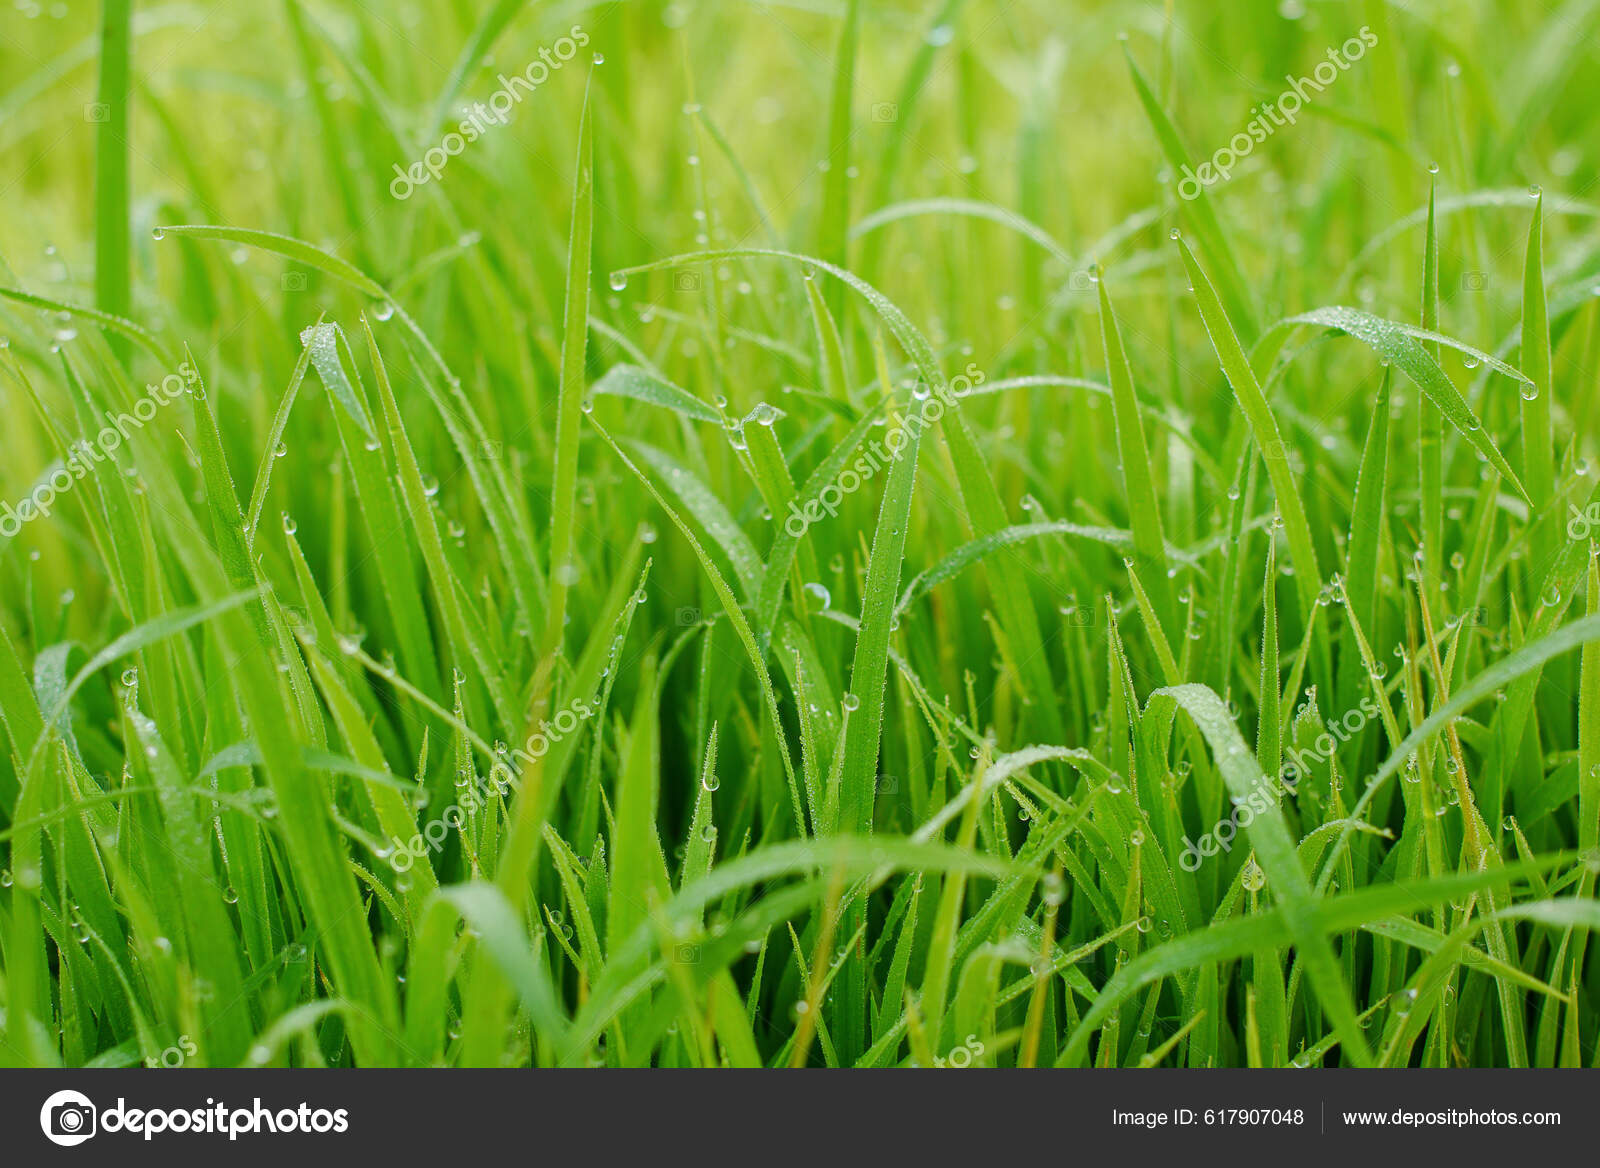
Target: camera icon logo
[
  {"x": 1273, "y": 450},
  {"x": 686, "y": 617},
  {"x": 686, "y": 954},
  {"x": 1081, "y": 616},
  {"x": 68, "y": 1118},
  {"x": 683, "y": 280},
  {"x": 885, "y": 111},
  {"x": 294, "y": 282},
  {"x": 1474, "y": 281},
  {"x": 97, "y": 111}
]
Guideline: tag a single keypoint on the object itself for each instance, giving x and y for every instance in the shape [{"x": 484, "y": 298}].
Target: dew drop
[{"x": 820, "y": 598}]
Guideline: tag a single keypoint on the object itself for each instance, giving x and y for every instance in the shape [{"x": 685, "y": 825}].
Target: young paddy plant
[{"x": 802, "y": 550}]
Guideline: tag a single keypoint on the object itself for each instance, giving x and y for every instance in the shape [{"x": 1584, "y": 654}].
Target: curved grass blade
[
  {"x": 710, "y": 512},
  {"x": 972, "y": 552},
  {"x": 106, "y": 320},
  {"x": 286, "y": 246},
  {"x": 637, "y": 384},
  {"x": 1398, "y": 343},
  {"x": 968, "y": 208},
  {"x": 1276, "y": 853}
]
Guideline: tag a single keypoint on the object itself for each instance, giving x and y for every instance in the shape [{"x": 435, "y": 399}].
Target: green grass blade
[
  {"x": 570, "y": 397},
  {"x": 1538, "y": 465},
  {"x": 1263, "y": 428},
  {"x": 113, "y": 262},
  {"x": 833, "y": 231},
  {"x": 1144, "y": 508}
]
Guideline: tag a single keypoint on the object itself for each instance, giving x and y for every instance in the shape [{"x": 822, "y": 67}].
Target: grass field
[{"x": 843, "y": 532}]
